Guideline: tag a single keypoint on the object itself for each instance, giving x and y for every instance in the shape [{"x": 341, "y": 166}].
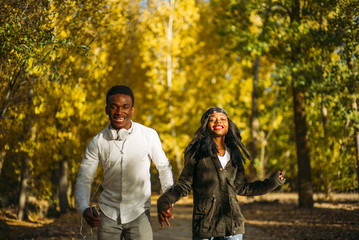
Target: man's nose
[{"x": 119, "y": 110}]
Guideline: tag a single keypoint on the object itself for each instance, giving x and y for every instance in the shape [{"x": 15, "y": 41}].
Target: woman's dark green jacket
[{"x": 216, "y": 209}]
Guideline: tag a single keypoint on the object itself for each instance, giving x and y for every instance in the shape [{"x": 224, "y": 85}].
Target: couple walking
[{"x": 213, "y": 170}]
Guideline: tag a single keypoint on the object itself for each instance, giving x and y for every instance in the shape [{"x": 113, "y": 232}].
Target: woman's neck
[{"x": 219, "y": 143}]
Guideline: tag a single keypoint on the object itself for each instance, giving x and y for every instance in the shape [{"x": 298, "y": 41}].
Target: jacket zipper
[{"x": 213, "y": 207}]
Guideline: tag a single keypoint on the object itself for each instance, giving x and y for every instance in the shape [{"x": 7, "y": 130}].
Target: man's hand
[
  {"x": 165, "y": 215},
  {"x": 90, "y": 218}
]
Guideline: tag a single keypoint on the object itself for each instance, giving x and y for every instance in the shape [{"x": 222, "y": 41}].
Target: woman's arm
[{"x": 245, "y": 188}]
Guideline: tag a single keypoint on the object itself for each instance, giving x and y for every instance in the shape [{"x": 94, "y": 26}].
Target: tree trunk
[
  {"x": 130, "y": 51},
  {"x": 324, "y": 112},
  {"x": 253, "y": 146},
  {"x": 263, "y": 161},
  {"x": 13, "y": 88},
  {"x": 356, "y": 138},
  {"x": 2, "y": 159},
  {"x": 63, "y": 186},
  {"x": 25, "y": 164},
  {"x": 292, "y": 182},
  {"x": 5, "y": 103},
  {"x": 357, "y": 152},
  {"x": 25, "y": 176},
  {"x": 169, "y": 84},
  {"x": 305, "y": 189}
]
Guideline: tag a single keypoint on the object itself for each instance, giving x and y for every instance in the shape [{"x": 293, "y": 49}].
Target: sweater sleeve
[{"x": 245, "y": 188}]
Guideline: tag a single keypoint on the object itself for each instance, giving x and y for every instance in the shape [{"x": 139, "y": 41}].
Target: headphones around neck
[{"x": 122, "y": 134}]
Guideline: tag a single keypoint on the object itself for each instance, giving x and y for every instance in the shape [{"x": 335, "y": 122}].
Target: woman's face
[{"x": 218, "y": 124}]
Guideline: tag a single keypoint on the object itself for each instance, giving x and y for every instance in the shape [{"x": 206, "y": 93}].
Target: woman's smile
[{"x": 218, "y": 127}]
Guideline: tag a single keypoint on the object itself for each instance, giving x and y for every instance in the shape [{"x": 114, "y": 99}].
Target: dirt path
[
  {"x": 181, "y": 226},
  {"x": 275, "y": 216}
]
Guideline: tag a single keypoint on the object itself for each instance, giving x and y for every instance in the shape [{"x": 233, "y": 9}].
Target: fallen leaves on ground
[{"x": 274, "y": 216}]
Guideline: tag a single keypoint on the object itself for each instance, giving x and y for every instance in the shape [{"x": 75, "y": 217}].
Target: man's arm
[
  {"x": 84, "y": 180},
  {"x": 161, "y": 162},
  {"x": 164, "y": 169}
]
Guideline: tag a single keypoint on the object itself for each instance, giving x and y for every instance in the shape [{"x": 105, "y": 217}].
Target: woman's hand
[
  {"x": 165, "y": 215},
  {"x": 281, "y": 177},
  {"x": 277, "y": 178}
]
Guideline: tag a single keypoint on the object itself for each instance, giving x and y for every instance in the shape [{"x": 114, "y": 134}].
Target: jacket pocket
[{"x": 204, "y": 213}]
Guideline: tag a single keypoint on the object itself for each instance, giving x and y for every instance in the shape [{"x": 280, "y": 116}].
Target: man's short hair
[{"x": 120, "y": 89}]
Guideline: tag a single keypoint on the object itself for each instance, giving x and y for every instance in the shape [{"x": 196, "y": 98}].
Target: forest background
[{"x": 285, "y": 71}]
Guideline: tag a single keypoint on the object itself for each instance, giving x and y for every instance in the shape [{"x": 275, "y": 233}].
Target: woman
[{"x": 214, "y": 171}]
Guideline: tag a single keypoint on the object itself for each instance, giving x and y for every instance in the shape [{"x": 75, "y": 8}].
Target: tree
[
  {"x": 30, "y": 53},
  {"x": 299, "y": 84},
  {"x": 169, "y": 36},
  {"x": 27, "y": 42},
  {"x": 245, "y": 28},
  {"x": 22, "y": 35},
  {"x": 345, "y": 25}
]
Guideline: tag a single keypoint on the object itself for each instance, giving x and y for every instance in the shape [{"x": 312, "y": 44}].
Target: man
[{"x": 125, "y": 150}]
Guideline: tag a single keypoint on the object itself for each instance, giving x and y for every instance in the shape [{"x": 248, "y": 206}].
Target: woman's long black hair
[{"x": 203, "y": 145}]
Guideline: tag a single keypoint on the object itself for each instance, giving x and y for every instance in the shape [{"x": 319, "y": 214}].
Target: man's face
[
  {"x": 119, "y": 110},
  {"x": 218, "y": 124}
]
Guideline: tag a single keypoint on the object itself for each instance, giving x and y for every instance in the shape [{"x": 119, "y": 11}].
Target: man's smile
[{"x": 119, "y": 119}]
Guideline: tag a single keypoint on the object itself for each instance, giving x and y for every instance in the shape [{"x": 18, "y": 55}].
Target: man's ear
[
  {"x": 106, "y": 109},
  {"x": 133, "y": 110}
]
